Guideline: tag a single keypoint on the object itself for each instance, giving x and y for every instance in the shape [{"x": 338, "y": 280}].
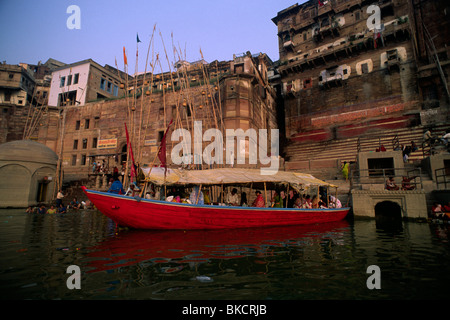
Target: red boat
[{"x": 141, "y": 213}]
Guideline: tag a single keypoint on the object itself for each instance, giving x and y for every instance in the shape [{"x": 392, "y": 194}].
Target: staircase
[{"x": 347, "y": 149}]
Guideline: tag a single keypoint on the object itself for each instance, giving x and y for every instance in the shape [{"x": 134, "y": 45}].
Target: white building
[{"x": 82, "y": 82}]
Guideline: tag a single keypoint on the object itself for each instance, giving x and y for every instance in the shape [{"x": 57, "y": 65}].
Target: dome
[{"x": 28, "y": 151}]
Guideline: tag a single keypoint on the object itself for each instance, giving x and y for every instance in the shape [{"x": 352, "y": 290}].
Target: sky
[{"x": 33, "y": 31}]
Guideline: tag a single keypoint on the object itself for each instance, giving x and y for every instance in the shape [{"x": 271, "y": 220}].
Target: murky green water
[{"x": 310, "y": 262}]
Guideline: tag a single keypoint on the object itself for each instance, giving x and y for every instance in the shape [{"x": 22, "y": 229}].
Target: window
[
  {"x": 77, "y": 125},
  {"x": 116, "y": 90},
  {"x": 305, "y": 36},
  {"x": 7, "y": 95},
  {"x": 69, "y": 80},
  {"x": 11, "y": 75},
  {"x": 74, "y": 160},
  {"x": 307, "y": 83},
  {"x": 96, "y": 121},
  {"x": 188, "y": 110},
  {"x": 85, "y": 142},
  {"x": 94, "y": 143},
  {"x": 86, "y": 123},
  {"x": 75, "y": 78},
  {"x": 75, "y": 144},
  {"x": 160, "y": 135},
  {"x": 63, "y": 80},
  {"x": 345, "y": 71},
  {"x": 357, "y": 15},
  {"x": 83, "y": 159},
  {"x": 102, "y": 83},
  {"x": 109, "y": 87},
  {"x": 365, "y": 68}
]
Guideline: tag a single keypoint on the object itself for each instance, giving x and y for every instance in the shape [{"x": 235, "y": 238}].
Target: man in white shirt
[{"x": 233, "y": 198}]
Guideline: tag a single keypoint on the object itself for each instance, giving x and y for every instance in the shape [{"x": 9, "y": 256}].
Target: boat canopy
[{"x": 229, "y": 176}]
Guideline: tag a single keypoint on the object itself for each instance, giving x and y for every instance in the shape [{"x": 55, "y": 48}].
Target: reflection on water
[{"x": 326, "y": 261}]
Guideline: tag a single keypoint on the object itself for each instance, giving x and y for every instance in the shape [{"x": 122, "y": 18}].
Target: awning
[{"x": 229, "y": 176}]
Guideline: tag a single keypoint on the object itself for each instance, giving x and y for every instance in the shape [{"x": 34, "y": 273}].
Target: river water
[{"x": 320, "y": 262}]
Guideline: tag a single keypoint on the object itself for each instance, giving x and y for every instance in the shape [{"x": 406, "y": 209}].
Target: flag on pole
[
  {"x": 376, "y": 35},
  {"x": 133, "y": 169},
  {"x": 125, "y": 61},
  {"x": 162, "y": 149},
  {"x": 137, "y": 38},
  {"x": 320, "y": 3}
]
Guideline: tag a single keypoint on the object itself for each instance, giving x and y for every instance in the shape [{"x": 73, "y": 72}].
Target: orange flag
[{"x": 124, "y": 57}]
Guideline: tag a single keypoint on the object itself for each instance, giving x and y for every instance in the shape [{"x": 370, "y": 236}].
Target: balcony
[{"x": 289, "y": 45}]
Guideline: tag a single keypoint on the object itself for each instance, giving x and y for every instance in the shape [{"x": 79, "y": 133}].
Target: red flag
[
  {"x": 320, "y": 3},
  {"x": 125, "y": 61},
  {"x": 376, "y": 35},
  {"x": 162, "y": 148},
  {"x": 133, "y": 170}
]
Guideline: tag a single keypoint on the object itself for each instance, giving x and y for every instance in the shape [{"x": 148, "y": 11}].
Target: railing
[
  {"x": 362, "y": 178},
  {"x": 427, "y": 148},
  {"x": 395, "y": 143},
  {"x": 441, "y": 173}
]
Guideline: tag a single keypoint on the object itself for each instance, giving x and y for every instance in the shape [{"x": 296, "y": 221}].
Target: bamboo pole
[
  {"x": 142, "y": 98},
  {"x": 265, "y": 190},
  {"x": 287, "y": 195}
]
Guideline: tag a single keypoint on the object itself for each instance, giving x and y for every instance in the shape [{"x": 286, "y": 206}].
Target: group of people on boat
[{"x": 194, "y": 195}]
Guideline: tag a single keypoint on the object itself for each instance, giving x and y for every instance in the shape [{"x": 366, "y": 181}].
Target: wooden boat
[{"x": 140, "y": 213}]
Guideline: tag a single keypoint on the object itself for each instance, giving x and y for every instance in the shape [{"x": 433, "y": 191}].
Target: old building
[
  {"x": 17, "y": 86},
  {"x": 28, "y": 171},
  {"x": 354, "y": 69},
  {"x": 82, "y": 82},
  {"x": 219, "y": 95}
]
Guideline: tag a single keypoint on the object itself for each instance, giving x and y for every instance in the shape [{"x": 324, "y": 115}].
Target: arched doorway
[{"x": 388, "y": 215}]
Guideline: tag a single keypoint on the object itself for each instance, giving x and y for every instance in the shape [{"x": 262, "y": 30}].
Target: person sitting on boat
[
  {"x": 307, "y": 204},
  {"x": 233, "y": 198},
  {"x": 276, "y": 200},
  {"x": 206, "y": 197},
  {"x": 279, "y": 200},
  {"x": 117, "y": 187},
  {"x": 334, "y": 202},
  {"x": 390, "y": 184},
  {"x": 259, "y": 201},
  {"x": 321, "y": 204},
  {"x": 315, "y": 202},
  {"x": 244, "y": 199},
  {"x": 196, "y": 197},
  {"x": 298, "y": 203},
  {"x": 292, "y": 198},
  {"x": 133, "y": 190}
]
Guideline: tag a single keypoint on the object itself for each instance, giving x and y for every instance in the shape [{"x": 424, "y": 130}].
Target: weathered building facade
[
  {"x": 219, "y": 95},
  {"x": 341, "y": 78}
]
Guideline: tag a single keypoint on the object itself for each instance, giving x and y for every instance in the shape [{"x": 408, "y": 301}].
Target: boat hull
[{"x": 139, "y": 213}]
